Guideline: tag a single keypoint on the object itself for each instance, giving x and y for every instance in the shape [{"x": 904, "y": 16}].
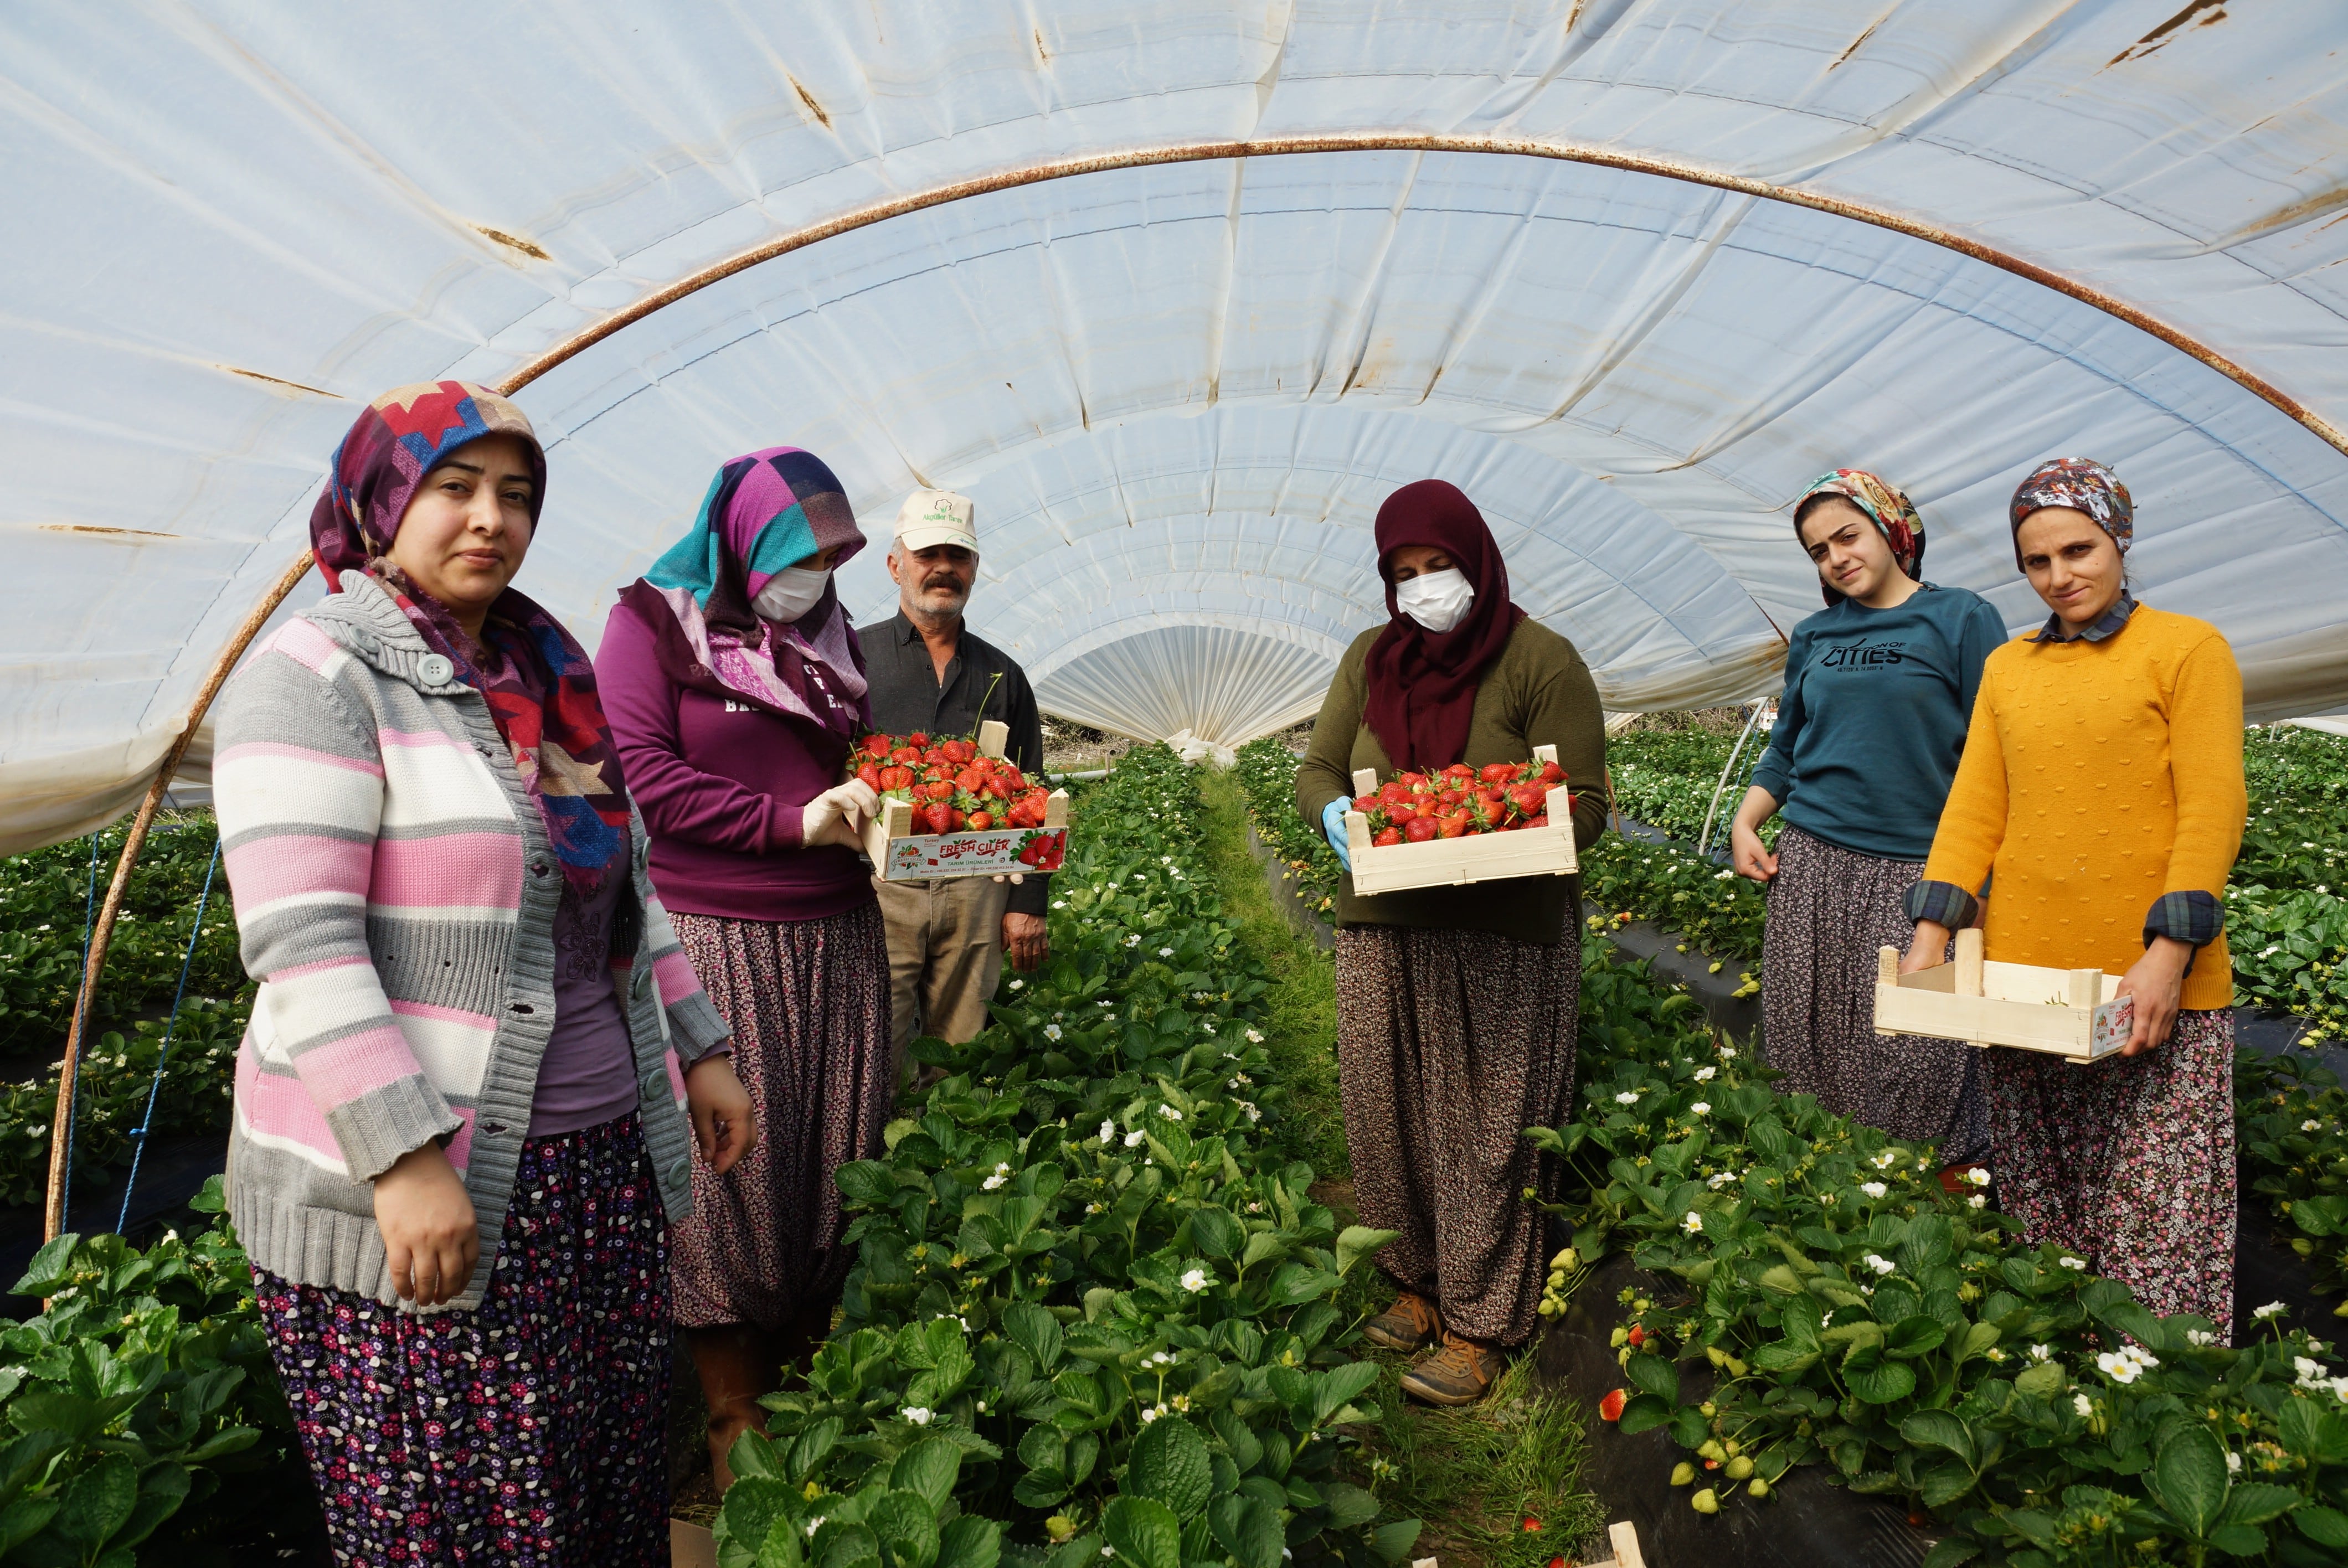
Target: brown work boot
[
  {"x": 1412, "y": 1321},
  {"x": 1459, "y": 1373}
]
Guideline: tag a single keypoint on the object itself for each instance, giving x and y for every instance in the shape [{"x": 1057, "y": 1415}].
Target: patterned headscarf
[
  {"x": 1422, "y": 683},
  {"x": 765, "y": 511},
  {"x": 2081, "y": 484},
  {"x": 1893, "y": 513},
  {"x": 539, "y": 686}
]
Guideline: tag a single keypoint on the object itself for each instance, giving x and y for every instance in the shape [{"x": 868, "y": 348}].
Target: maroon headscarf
[{"x": 1422, "y": 684}]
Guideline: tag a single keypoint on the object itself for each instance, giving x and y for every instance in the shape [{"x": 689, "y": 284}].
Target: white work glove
[{"x": 838, "y": 815}]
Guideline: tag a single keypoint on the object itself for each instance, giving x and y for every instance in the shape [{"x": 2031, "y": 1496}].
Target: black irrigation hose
[{"x": 163, "y": 1056}]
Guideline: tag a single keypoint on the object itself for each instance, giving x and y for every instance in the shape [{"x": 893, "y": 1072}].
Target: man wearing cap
[{"x": 925, "y": 671}]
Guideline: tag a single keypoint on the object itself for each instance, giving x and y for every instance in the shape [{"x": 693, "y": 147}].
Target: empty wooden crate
[
  {"x": 2074, "y": 1014},
  {"x": 1475, "y": 857},
  {"x": 901, "y": 854}
]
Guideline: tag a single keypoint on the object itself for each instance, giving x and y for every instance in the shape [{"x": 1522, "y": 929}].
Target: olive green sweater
[{"x": 1537, "y": 692}]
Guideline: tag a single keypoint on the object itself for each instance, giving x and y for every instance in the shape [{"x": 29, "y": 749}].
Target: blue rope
[
  {"x": 73, "y": 1100},
  {"x": 163, "y": 1057}
]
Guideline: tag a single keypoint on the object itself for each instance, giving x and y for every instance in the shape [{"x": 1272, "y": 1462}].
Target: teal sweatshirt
[{"x": 1873, "y": 718}]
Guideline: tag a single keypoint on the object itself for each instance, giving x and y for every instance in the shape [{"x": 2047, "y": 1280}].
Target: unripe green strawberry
[
  {"x": 1739, "y": 1467},
  {"x": 1704, "y": 1501},
  {"x": 1758, "y": 1489},
  {"x": 1683, "y": 1473},
  {"x": 1710, "y": 1449}
]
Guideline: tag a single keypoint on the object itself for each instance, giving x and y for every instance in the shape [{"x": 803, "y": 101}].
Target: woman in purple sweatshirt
[{"x": 734, "y": 688}]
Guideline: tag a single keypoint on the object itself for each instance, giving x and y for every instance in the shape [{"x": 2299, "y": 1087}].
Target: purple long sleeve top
[{"x": 722, "y": 785}]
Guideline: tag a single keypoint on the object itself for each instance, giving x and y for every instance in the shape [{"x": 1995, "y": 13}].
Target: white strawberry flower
[
  {"x": 2075, "y": 1264},
  {"x": 1107, "y": 1131},
  {"x": 1628, "y": 1097},
  {"x": 1977, "y": 1201},
  {"x": 1873, "y": 1189},
  {"x": 1051, "y": 1031},
  {"x": 1700, "y": 1109},
  {"x": 2081, "y": 1403},
  {"x": 1196, "y": 1280},
  {"x": 1880, "y": 1264},
  {"x": 1135, "y": 1139},
  {"x": 1170, "y": 1113},
  {"x": 1706, "y": 1074},
  {"x": 920, "y": 1415},
  {"x": 1693, "y": 1223}
]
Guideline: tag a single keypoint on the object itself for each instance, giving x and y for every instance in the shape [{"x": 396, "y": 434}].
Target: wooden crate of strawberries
[
  {"x": 1462, "y": 824},
  {"x": 957, "y": 809}
]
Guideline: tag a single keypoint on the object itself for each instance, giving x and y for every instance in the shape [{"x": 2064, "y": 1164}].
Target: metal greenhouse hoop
[{"x": 1036, "y": 174}]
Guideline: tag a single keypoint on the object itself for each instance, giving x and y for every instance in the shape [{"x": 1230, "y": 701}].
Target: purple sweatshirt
[{"x": 721, "y": 782}]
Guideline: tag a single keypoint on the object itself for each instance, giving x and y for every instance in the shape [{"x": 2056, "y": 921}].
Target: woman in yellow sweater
[{"x": 2102, "y": 786}]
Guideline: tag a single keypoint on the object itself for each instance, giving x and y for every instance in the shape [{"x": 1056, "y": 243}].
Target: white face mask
[
  {"x": 789, "y": 594},
  {"x": 1438, "y": 600}
]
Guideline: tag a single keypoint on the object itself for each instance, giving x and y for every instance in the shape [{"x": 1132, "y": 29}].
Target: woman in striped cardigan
[{"x": 479, "y": 1058}]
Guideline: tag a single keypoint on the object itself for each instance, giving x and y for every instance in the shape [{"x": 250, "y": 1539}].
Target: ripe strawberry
[
  {"x": 1386, "y": 835},
  {"x": 937, "y": 816},
  {"x": 895, "y": 776},
  {"x": 1455, "y": 826},
  {"x": 1540, "y": 821},
  {"x": 909, "y": 757},
  {"x": 1551, "y": 774},
  {"x": 1638, "y": 1335},
  {"x": 1529, "y": 799},
  {"x": 958, "y": 750},
  {"x": 1418, "y": 829},
  {"x": 1460, "y": 772},
  {"x": 1394, "y": 791},
  {"x": 1610, "y": 1409},
  {"x": 1365, "y": 804},
  {"x": 980, "y": 821},
  {"x": 1402, "y": 812},
  {"x": 969, "y": 782},
  {"x": 875, "y": 745},
  {"x": 938, "y": 789},
  {"x": 919, "y": 738},
  {"x": 870, "y": 773},
  {"x": 1497, "y": 773},
  {"x": 956, "y": 819}
]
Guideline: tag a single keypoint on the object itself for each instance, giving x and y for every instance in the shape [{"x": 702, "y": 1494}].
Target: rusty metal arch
[{"x": 101, "y": 932}]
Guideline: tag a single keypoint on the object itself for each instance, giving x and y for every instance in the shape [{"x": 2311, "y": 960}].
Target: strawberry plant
[
  {"x": 143, "y": 1419},
  {"x": 1826, "y": 1303},
  {"x": 1266, "y": 772},
  {"x": 1093, "y": 1311}
]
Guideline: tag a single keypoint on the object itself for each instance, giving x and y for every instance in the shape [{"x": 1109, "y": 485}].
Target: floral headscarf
[
  {"x": 2081, "y": 484},
  {"x": 1887, "y": 505},
  {"x": 764, "y": 511},
  {"x": 538, "y": 681}
]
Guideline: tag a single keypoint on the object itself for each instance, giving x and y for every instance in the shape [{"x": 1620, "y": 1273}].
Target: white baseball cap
[{"x": 935, "y": 518}]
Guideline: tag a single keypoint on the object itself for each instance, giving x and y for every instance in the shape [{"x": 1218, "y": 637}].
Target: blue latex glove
[{"x": 1333, "y": 829}]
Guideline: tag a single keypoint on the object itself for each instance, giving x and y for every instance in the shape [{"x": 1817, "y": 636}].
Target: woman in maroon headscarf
[{"x": 1456, "y": 1007}]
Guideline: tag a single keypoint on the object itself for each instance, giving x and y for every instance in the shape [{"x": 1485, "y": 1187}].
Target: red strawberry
[
  {"x": 956, "y": 819},
  {"x": 997, "y": 788},
  {"x": 968, "y": 783},
  {"x": 1638, "y": 1336},
  {"x": 939, "y": 789},
  {"x": 1497, "y": 773},
  {"x": 875, "y": 745},
  {"x": 1387, "y": 835},
  {"x": 1394, "y": 791},
  {"x": 958, "y": 750},
  {"x": 1540, "y": 821},
  {"x": 937, "y": 816},
  {"x": 1550, "y": 773},
  {"x": 896, "y": 777},
  {"x": 1365, "y": 804},
  {"x": 1418, "y": 829},
  {"x": 1402, "y": 812},
  {"x": 870, "y": 773},
  {"x": 918, "y": 738},
  {"x": 1455, "y": 826},
  {"x": 980, "y": 821},
  {"x": 1610, "y": 1409},
  {"x": 1529, "y": 799},
  {"x": 909, "y": 757}
]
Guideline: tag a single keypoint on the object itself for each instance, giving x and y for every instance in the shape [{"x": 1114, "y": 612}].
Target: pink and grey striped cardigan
[{"x": 396, "y": 897}]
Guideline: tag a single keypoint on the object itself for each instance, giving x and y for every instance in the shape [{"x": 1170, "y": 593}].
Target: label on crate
[
  {"x": 996, "y": 853},
  {"x": 2113, "y": 1023}
]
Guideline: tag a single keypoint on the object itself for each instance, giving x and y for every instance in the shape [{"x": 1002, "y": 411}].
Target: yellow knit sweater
[{"x": 2097, "y": 778}]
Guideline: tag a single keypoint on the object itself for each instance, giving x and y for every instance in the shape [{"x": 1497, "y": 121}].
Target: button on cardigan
[{"x": 395, "y": 897}]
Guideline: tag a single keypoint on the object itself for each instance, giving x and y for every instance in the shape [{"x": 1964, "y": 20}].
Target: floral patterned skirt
[
  {"x": 1449, "y": 1045},
  {"x": 808, "y": 1002},
  {"x": 2128, "y": 1162},
  {"x": 1829, "y": 909},
  {"x": 526, "y": 1431}
]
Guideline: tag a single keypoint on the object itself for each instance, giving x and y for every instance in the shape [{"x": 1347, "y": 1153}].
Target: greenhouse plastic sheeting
[{"x": 1178, "y": 392}]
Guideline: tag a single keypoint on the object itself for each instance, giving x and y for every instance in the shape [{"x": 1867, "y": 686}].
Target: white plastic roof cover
[{"x": 1177, "y": 390}]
